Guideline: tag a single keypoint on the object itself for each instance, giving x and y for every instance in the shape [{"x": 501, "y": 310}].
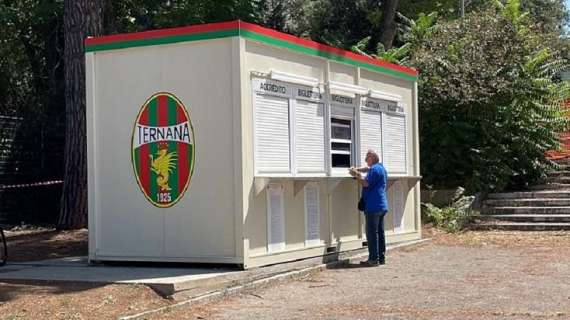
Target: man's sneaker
[{"x": 369, "y": 263}]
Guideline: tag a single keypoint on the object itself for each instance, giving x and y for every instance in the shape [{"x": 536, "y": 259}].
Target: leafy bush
[
  {"x": 452, "y": 218},
  {"x": 490, "y": 101}
]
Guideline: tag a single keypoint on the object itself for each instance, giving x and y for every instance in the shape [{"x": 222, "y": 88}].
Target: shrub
[
  {"x": 490, "y": 102},
  {"x": 452, "y": 218}
]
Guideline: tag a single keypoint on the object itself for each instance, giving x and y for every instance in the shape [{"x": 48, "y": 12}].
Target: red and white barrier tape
[{"x": 28, "y": 185}]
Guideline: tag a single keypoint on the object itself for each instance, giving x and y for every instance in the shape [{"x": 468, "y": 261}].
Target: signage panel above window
[
  {"x": 343, "y": 100},
  {"x": 383, "y": 106},
  {"x": 276, "y": 88},
  {"x": 307, "y": 93}
]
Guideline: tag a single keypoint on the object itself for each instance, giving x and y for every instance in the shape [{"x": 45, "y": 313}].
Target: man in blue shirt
[{"x": 375, "y": 206}]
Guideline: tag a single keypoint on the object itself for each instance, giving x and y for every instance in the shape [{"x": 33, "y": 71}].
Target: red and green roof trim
[{"x": 249, "y": 31}]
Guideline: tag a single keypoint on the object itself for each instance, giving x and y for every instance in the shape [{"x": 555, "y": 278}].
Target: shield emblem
[{"x": 163, "y": 149}]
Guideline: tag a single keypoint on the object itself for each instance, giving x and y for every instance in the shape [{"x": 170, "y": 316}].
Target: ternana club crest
[{"x": 163, "y": 149}]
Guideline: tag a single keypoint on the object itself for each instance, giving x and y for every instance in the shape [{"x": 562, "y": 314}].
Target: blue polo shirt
[{"x": 374, "y": 195}]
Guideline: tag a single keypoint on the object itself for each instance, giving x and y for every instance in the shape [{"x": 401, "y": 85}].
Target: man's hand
[
  {"x": 360, "y": 169},
  {"x": 354, "y": 172}
]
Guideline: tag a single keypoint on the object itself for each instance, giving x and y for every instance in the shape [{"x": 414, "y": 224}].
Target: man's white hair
[{"x": 374, "y": 155}]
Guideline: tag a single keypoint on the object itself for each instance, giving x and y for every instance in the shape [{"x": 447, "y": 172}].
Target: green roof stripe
[
  {"x": 315, "y": 52},
  {"x": 252, "y": 36},
  {"x": 163, "y": 40}
]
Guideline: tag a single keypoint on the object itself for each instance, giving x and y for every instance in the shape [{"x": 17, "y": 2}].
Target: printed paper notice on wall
[
  {"x": 312, "y": 216},
  {"x": 275, "y": 219},
  {"x": 399, "y": 207}
]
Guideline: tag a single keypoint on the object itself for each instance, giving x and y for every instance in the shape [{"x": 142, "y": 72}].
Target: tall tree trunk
[
  {"x": 388, "y": 24},
  {"x": 82, "y": 18},
  {"x": 109, "y": 22}
]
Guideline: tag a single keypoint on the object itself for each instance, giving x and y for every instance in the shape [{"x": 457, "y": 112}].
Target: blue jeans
[{"x": 375, "y": 235}]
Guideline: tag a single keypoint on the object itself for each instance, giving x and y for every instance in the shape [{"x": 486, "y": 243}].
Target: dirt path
[
  {"x": 74, "y": 301},
  {"x": 469, "y": 276}
]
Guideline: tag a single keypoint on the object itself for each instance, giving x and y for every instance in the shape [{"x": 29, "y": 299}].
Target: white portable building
[{"x": 230, "y": 143}]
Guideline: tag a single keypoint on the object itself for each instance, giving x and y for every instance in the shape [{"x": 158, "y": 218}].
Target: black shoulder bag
[{"x": 361, "y": 204}]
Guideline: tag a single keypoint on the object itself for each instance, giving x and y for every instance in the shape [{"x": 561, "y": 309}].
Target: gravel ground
[
  {"x": 472, "y": 275},
  {"x": 475, "y": 275}
]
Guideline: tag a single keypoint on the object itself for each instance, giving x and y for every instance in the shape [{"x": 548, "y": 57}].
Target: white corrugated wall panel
[
  {"x": 370, "y": 133},
  {"x": 271, "y": 134},
  {"x": 310, "y": 137},
  {"x": 394, "y": 153}
]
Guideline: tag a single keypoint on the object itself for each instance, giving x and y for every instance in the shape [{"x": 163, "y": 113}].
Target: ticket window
[{"x": 342, "y": 144}]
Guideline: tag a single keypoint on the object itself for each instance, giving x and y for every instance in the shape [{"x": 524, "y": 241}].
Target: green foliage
[
  {"x": 31, "y": 44},
  {"x": 138, "y": 15},
  {"x": 490, "y": 102},
  {"x": 397, "y": 55},
  {"x": 290, "y": 16},
  {"x": 394, "y": 55},
  {"x": 30, "y": 60},
  {"x": 447, "y": 9},
  {"x": 511, "y": 10},
  {"x": 452, "y": 218},
  {"x": 343, "y": 23},
  {"x": 412, "y": 33},
  {"x": 549, "y": 16},
  {"x": 417, "y": 31}
]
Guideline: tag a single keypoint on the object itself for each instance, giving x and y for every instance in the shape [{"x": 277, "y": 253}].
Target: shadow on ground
[{"x": 45, "y": 244}]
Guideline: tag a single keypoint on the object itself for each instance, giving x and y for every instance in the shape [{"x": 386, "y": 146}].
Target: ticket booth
[{"x": 231, "y": 143}]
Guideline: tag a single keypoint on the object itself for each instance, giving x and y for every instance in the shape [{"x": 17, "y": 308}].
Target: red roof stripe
[
  {"x": 323, "y": 47},
  {"x": 151, "y": 34},
  {"x": 237, "y": 24}
]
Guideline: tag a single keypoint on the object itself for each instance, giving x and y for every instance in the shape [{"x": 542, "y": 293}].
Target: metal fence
[{"x": 31, "y": 169}]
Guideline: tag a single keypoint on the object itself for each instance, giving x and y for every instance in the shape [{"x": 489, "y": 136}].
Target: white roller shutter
[
  {"x": 394, "y": 135},
  {"x": 309, "y": 137},
  {"x": 271, "y": 116},
  {"x": 370, "y": 133},
  {"x": 342, "y": 111}
]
